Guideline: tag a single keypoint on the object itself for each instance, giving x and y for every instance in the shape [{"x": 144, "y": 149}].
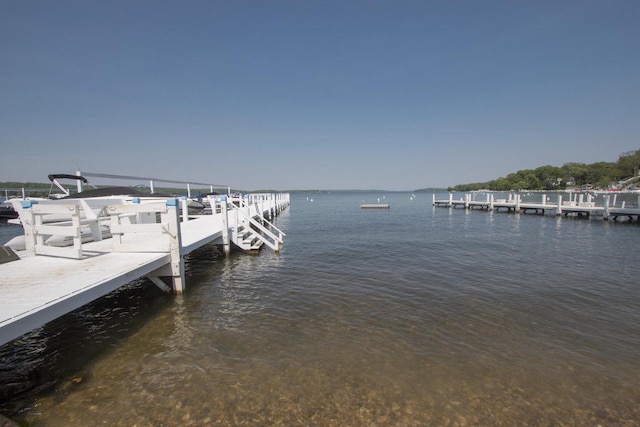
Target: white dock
[
  {"x": 149, "y": 239},
  {"x": 514, "y": 203}
]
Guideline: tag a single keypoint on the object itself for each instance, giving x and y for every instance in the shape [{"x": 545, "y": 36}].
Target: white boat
[
  {"x": 18, "y": 242},
  {"x": 92, "y": 202}
]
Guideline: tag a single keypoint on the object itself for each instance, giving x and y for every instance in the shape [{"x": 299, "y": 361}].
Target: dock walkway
[{"x": 148, "y": 240}]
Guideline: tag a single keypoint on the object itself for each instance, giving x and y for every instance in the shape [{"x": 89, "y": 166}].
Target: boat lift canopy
[{"x": 54, "y": 177}]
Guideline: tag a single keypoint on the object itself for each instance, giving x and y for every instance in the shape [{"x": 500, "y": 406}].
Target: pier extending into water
[
  {"x": 77, "y": 250},
  {"x": 583, "y": 204}
]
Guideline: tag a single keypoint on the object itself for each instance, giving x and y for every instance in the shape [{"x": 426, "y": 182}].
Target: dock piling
[
  {"x": 177, "y": 258},
  {"x": 559, "y": 208},
  {"x": 226, "y": 245}
]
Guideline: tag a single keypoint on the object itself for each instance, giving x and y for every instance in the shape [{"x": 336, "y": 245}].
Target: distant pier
[{"x": 583, "y": 205}]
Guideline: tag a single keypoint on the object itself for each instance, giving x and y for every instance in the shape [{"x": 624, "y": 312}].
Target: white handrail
[{"x": 277, "y": 241}]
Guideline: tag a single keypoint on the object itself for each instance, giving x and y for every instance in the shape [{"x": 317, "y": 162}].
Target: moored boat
[{"x": 7, "y": 211}]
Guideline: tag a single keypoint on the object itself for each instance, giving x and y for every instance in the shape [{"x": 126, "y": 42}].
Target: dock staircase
[{"x": 250, "y": 234}]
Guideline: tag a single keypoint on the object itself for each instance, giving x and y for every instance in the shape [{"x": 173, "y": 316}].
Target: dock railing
[
  {"x": 161, "y": 232},
  {"x": 159, "y": 226}
]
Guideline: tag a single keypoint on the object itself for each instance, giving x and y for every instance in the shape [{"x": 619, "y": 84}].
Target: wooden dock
[
  {"x": 582, "y": 206},
  {"x": 149, "y": 238}
]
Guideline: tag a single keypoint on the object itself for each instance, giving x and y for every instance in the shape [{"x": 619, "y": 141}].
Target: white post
[
  {"x": 29, "y": 225},
  {"x": 236, "y": 210},
  {"x": 434, "y": 199},
  {"x": 79, "y": 181},
  {"x": 270, "y": 205},
  {"x": 450, "y": 199},
  {"x": 188, "y": 190},
  {"x": 151, "y": 187},
  {"x": 615, "y": 199},
  {"x": 75, "y": 223},
  {"x": 226, "y": 245},
  {"x": 185, "y": 209},
  {"x": 559, "y": 210},
  {"x": 544, "y": 199},
  {"x": 606, "y": 207},
  {"x": 177, "y": 260},
  {"x": 272, "y": 196}
]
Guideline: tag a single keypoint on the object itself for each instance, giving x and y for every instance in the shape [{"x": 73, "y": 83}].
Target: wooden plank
[
  {"x": 136, "y": 228},
  {"x": 201, "y": 231}
]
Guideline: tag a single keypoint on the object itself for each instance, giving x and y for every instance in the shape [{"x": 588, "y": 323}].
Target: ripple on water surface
[{"x": 411, "y": 316}]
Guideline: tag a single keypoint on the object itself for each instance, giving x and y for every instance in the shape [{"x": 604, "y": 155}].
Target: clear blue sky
[{"x": 296, "y": 94}]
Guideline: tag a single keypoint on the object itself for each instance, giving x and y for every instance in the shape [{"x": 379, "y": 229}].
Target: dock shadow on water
[{"x": 404, "y": 317}]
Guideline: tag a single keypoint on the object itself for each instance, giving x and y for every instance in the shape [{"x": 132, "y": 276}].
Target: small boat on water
[{"x": 7, "y": 211}]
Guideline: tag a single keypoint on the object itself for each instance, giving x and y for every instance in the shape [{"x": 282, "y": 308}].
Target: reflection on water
[{"x": 411, "y": 316}]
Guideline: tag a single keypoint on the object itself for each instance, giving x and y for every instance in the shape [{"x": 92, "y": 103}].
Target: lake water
[{"x": 408, "y": 316}]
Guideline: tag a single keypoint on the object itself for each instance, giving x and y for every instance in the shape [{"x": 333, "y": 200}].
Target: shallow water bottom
[
  {"x": 326, "y": 375},
  {"x": 337, "y": 395}
]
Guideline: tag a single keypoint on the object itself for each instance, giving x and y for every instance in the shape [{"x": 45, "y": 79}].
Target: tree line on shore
[{"x": 598, "y": 175}]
